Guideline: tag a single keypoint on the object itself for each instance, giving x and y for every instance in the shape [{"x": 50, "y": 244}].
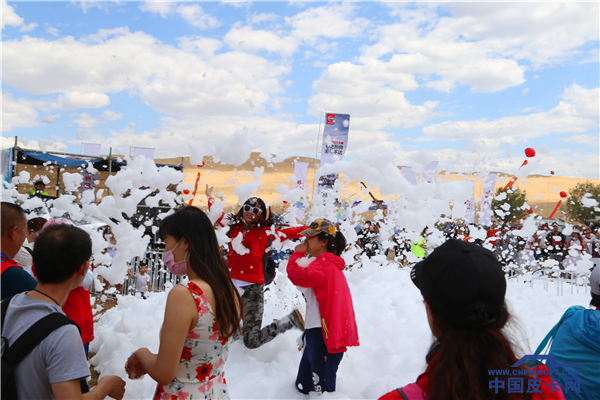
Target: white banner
[
  {"x": 147, "y": 152},
  {"x": 470, "y": 203},
  {"x": 335, "y": 141},
  {"x": 301, "y": 171},
  {"x": 429, "y": 171},
  {"x": 91, "y": 149},
  {"x": 488, "y": 186},
  {"x": 410, "y": 175}
]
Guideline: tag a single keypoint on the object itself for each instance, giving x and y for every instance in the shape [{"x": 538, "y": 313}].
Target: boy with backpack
[{"x": 48, "y": 360}]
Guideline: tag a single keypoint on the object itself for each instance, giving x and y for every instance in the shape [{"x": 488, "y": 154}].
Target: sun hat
[
  {"x": 459, "y": 278},
  {"x": 319, "y": 225}
]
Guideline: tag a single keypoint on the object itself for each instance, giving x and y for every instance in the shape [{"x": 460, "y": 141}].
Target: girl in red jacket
[
  {"x": 330, "y": 323},
  {"x": 251, "y": 234}
]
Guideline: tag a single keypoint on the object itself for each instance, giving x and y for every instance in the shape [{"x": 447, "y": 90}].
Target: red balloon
[
  {"x": 530, "y": 211},
  {"x": 563, "y": 194},
  {"x": 186, "y": 191},
  {"x": 530, "y": 152}
]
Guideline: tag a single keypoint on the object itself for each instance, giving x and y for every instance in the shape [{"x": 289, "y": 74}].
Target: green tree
[
  {"x": 509, "y": 205},
  {"x": 583, "y": 202}
]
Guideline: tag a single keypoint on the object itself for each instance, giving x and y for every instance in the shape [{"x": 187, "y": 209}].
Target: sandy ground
[{"x": 542, "y": 191}]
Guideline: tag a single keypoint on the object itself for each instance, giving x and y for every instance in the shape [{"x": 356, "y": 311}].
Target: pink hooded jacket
[{"x": 325, "y": 275}]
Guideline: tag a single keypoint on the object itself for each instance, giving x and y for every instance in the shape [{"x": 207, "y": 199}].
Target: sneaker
[{"x": 297, "y": 320}]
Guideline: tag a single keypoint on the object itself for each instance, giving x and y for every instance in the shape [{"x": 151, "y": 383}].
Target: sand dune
[{"x": 542, "y": 191}]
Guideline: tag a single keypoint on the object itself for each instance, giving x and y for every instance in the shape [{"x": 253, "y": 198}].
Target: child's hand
[
  {"x": 301, "y": 247},
  {"x": 134, "y": 368},
  {"x": 209, "y": 190}
]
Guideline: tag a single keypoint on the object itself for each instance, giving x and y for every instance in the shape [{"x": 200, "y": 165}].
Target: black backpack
[
  {"x": 14, "y": 354},
  {"x": 269, "y": 266}
]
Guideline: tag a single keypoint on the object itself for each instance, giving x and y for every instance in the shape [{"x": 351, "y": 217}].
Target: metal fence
[
  {"x": 159, "y": 274},
  {"x": 576, "y": 281}
]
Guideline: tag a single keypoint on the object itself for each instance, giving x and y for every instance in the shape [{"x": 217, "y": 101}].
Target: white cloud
[
  {"x": 331, "y": 21},
  {"x": 169, "y": 79},
  {"x": 308, "y": 27},
  {"x": 578, "y": 113},
  {"x": 111, "y": 115},
  {"x": 158, "y": 7},
  {"x": 204, "y": 47},
  {"x": 51, "y": 118},
  {"x": 101, "y": 5},
  {"x": 591, "y": 140},
  {"x": 86, "y": 121},
  {"x": 260, "y": 18},
  {"x": 28, "y": 28},
  {"x": 481, "y": 44},
  {"x": 53, "y": 31},
  {"x": 245, "y": 38},
  {"x": 36, "y": 144},
  {"x": 372, "y": 94},
  {"x": 75, "y": 100},
  {"x": 192, "y": 13},
  {"x": 17, "y": 113},
  {"x": 525, "y": 92},
  {"x": 532, "y": 31},
  {"x": 132, "y": 124},
  {"x": 9, "y": 16}
]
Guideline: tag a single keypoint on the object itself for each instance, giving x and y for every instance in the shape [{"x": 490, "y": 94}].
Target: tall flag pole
[{"x": 312, "y": 195}]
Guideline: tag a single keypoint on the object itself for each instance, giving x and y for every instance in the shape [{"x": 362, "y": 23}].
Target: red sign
[{"x": 330, "y": 118}]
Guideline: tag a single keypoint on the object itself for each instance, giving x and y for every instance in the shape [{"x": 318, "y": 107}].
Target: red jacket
[
  {"x": 78, "y": 308},
  {"x": 249, "y": 267},
  {"x": 325, "y": 275},
  {"x": 413, "y": 393}
]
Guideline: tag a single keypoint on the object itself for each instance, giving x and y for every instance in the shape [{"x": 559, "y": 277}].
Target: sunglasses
[{"x": 254, "y": 210}]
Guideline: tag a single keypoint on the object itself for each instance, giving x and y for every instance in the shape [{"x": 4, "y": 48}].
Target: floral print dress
[{"x": 201, "y": 373}]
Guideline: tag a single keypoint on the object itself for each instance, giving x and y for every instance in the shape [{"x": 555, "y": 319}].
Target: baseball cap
[
  {"x": 458, "y": 278},
  {"x": 319, "y": 225},
  {"x": 595, "y": 281}
]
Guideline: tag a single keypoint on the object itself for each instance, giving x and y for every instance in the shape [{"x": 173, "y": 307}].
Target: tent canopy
[{"x": 101, "y": 164}]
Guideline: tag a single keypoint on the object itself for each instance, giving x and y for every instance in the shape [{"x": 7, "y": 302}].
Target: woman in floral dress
[{"x": 200, "y": 318}]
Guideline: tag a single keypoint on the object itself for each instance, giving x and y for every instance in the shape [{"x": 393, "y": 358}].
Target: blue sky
[{"x": 469, "y": 84}]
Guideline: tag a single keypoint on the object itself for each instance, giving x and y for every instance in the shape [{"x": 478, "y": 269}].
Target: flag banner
[
  {"x": 89, "y": 181},
  {"x": 335, "y": 141},
  {"x": 429, "y": 171},
  {"x": 91, "y": 149},
  {"x": 488, "y": 186},
  {"x": 410, "y": 175},
  {"x": 300, "y": 209},
  {"x": 147, "y": 152},
  {"x": 470, "y": 203},
  {"x": 6, "y": 164},
  {"x": 301, "y": 171}
]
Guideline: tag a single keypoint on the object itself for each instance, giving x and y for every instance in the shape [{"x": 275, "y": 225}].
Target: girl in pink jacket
[{"x": 330, "y": 324}]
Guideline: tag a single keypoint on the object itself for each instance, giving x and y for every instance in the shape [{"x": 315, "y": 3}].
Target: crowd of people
[{"x": 462, "y": 282}]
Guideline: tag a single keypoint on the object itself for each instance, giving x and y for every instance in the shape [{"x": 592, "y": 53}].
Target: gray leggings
[{"x": 254, "y": 336}]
